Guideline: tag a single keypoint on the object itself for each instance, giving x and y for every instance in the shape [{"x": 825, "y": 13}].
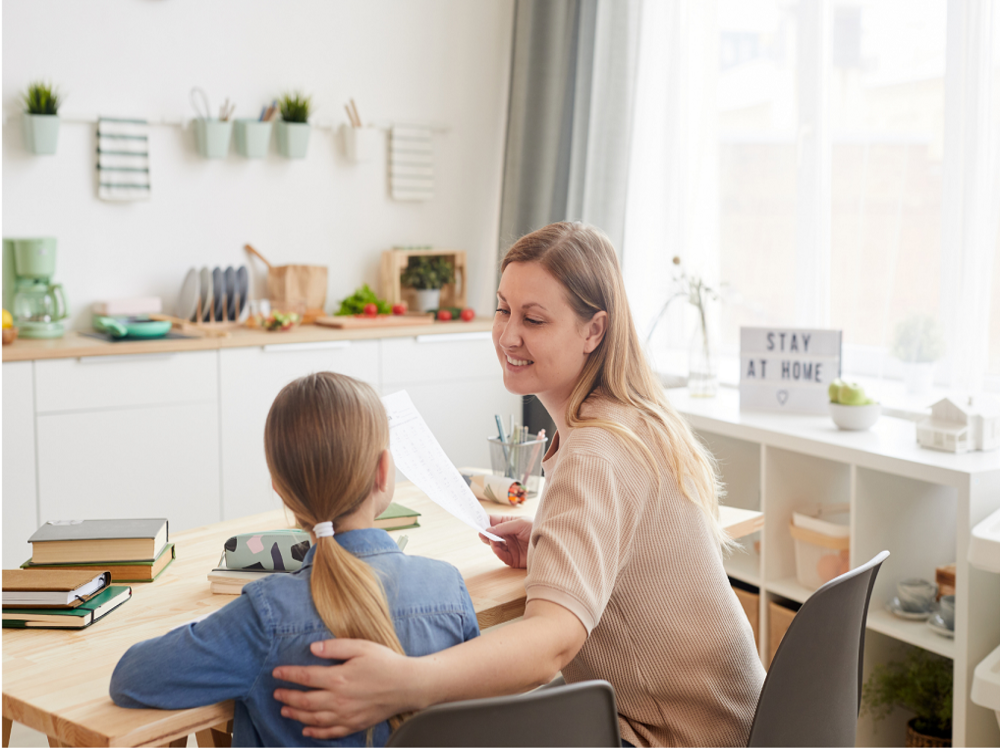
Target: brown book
[
  {"x": 108, "y": 540},
  {"x": 133, "y": 571},
  {"x": 51, "y": 588}
]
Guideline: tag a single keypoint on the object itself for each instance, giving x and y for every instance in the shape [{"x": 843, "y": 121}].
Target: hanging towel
[
  {"x": 411, "y": 164},
  {"x": 122, "y": 159}
]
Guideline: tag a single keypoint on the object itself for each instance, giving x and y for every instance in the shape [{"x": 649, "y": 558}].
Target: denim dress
[{"x": 231, "y": 654}]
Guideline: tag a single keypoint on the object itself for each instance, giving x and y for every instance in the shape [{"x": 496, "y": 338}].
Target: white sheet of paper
[{"x": 421, "y": 458}]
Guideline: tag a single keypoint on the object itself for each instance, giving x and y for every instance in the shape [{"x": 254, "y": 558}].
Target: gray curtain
[{"x": 569, "y": 122}]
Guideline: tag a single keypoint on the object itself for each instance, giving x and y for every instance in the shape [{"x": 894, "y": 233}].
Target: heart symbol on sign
[{"x": 782, "y": 396}]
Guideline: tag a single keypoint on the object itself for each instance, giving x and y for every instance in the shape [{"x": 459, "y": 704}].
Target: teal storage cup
[
  {"x": 252, "y": 137},
  {"x": 41, "y": 133},
  {"x": 293, "y": 139},
  {"x": 213, "y": 137}
]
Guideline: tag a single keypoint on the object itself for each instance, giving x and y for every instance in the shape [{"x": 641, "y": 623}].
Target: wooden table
[{"x": 57, "y": 681}]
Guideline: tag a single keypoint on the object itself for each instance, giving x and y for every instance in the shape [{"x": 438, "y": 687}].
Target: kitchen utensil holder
[
  {"x": 212, "y": 137},
  {"x": 252, "y": 138},
  {"x": 361, "y": 144}
]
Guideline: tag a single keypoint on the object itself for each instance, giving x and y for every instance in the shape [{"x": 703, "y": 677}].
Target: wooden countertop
[{"x": 74, "y": 344}]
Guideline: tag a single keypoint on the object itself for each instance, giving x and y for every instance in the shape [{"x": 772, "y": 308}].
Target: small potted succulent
[
  {"x": 918, "y": 343},
  {"x": 427, "y": 274},
  {"x": 293, "y": 127},
  {"x": 922, "y": 684},
  {"x": 41, "y": 118}
]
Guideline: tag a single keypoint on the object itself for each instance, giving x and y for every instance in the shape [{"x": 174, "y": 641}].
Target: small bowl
[
  {"x": 855, "y": 417},
  {"x": 9, "y": 334}
]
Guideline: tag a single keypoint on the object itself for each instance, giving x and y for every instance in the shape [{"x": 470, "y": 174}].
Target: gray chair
[
  {"x": 812, "y": 693},
  {"x": 579, "y": 715}
]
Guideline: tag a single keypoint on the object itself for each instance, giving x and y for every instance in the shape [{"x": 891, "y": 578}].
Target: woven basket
[{"x": 915, "y": 739}]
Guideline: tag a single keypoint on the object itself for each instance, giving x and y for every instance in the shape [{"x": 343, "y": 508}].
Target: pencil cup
[
  {"x": 519, "y": 460},
  {"x": 213, "y": 137},
  {"x": 360, "y": 144},
  {"x": 252, "y": 137}
]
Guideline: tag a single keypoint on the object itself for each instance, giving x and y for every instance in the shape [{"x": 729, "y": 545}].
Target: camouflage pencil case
[{"x": 284, "y": 549}]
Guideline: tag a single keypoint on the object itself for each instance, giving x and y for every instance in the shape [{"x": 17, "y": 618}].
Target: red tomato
[
  {"x": 371, "y": 309},
  {"x": 444, "y": 314},
  {"x": 468, "y": 314},
  {"x": 399, "y": 309}
]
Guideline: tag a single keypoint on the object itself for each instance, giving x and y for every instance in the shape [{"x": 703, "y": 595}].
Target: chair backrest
[
  {"x": 812, "y": 693},
  {"x": 579, "y": 715}
]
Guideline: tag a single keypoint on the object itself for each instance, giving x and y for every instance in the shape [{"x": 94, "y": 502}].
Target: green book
[
  {"x": 77, "y": 618},
  {"x": 126, "y": 571},
  {"x": 397, "y": 517}
]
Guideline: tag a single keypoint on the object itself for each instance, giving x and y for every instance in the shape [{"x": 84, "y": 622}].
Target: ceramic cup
[
  {"x": 916, "y": 594},
  {"x": 947, "y": 611}
]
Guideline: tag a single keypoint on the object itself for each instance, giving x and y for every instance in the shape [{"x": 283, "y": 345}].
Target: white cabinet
[
  {"x": 456, "y": 383},
  {"x": 129, "y": 437},
  {"x": 20, "y": 500},
  {"x": 249, "y": 379}
]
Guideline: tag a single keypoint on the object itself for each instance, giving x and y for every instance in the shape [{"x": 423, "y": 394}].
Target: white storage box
[{"x": 822, "y": 544}]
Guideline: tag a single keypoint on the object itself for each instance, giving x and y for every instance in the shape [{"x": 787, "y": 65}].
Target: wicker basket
[{"x": 915, "y": 739}]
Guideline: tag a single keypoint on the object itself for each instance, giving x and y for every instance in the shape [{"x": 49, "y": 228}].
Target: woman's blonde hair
[
  {"x": 584, "y": 261},
  {"x": 323, "y": 441}
]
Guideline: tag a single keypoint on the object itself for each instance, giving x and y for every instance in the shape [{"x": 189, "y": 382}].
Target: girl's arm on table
[{"x": 375, "y": 683}]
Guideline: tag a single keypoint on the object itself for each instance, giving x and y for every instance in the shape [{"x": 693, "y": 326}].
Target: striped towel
[
  {"x": 122, "y": 159},
  {"x": 411, "y": 164}
]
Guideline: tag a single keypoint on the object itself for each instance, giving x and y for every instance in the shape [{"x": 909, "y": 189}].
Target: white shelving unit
[{"x": 921, "y": 505}]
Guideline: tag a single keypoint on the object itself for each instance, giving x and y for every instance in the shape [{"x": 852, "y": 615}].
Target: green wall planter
[
  {"x": 41, "y": 133},
  {"x": 213, "y": 137},
  {"x": 293, "y": 139},
  {"x": 252, "y": 137}
]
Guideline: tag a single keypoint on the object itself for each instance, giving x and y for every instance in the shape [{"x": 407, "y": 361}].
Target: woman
[{"x": 625, "y": 579}]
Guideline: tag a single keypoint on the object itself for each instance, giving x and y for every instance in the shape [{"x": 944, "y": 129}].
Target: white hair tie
[{"x": 323, "y": 529}]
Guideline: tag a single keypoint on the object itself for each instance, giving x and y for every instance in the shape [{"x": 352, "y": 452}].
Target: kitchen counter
[{"x": 73, "y": 344}]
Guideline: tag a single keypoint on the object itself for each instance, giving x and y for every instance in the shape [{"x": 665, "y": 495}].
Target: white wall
[{"x": 425, "y": 60}]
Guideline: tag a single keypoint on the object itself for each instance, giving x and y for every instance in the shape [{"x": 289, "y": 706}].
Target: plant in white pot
[
  {"x": 41, "y": 118},
  {"x": 918, "y": 343},
  {"x": 293, "y": 127},
  {"x": 427, "y": 274}
]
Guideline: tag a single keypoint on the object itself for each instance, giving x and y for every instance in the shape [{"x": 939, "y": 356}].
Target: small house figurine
[{"x": 961, "y": 427}]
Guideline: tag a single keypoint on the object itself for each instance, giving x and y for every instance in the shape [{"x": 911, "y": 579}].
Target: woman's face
[{"x": 541, "y": 344}]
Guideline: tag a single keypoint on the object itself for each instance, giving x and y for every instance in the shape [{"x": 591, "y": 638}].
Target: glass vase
[{"x": 703, "y": 380}]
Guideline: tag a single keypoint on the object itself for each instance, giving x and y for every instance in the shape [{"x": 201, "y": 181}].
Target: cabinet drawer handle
[
  {"x": 115, "y": 358},
  {"x": 306, "y": 346},
  {"x": 432, "y": 338}
]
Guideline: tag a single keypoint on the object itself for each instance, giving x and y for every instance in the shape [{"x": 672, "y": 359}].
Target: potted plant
[
  {"x": 427, "y": 274},
  {"x": 293, "y": 127},
  {"x": 41, "y": 118},
  {"x": 922, "y": 684},
  {"x": 918, "y": 343}
]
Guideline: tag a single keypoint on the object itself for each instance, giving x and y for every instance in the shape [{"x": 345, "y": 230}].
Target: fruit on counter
[
  {"x": 848, "y": 394},
  {"x": 371, "y": 310},
  {"x": 8, "y": 320},
  {"x": 399, "y": 309},
  {"x": 280, "y": 321},
  {"x": 356, "y": 303},
  {"x": 444, "y": 314},
  {"x": 468, "y": 314}
]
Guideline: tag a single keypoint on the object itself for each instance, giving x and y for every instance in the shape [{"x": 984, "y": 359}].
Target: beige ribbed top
[{"x": 642, "y": 571}]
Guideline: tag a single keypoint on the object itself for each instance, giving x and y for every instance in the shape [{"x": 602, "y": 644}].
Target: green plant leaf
[
  {"x": 920, "y": 683},
  {"x": 427, "y": 272},
  {"x": 295, "y": 107},
  {"x": 41, "y": 99}
]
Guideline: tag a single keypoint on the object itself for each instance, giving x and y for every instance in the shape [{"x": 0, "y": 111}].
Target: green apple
[
  {"x": 834, "y": 390},
  {"x": 852, "y": 394}
]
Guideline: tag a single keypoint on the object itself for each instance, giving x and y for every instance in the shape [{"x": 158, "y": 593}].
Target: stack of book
[
  {"x": 72, "y": 599},
  {"x": 132, "y": 550}
]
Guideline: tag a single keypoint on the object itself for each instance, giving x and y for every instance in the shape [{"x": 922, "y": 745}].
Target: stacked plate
[{"x": 214, "y": 295}]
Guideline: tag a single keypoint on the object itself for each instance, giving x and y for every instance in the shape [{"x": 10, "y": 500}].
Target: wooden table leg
[
  {"x": 53, "y": 742},
  {"x": 179, "y": 742},
  {"x": 6, "y": 731},
  {"x": 221, "y": 735}
]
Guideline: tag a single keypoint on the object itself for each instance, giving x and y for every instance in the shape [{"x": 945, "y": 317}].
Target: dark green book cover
[
  {"x": 78, "y": 617},
  {"x": 397, "y": 517},
  {"x": 117, "y": 575}
]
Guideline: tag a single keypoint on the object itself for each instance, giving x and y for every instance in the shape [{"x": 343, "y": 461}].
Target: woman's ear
[
  {"x": 595, "y": 331},
  {"x": 382, "y": 475}
]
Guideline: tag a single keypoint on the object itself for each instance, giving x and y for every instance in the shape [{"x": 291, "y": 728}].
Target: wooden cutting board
[{"x": 379, "y": 321}]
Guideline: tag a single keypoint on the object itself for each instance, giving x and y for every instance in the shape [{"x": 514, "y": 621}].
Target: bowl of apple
[{"x": 851, "y": 408}]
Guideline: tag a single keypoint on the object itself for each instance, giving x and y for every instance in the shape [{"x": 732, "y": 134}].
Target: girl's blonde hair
[
  {"x": 584, "y": 261},
  {"x": 323, "y": 440}
]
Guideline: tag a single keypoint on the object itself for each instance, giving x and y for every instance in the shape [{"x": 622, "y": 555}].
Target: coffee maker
[{"x": 37, "y": 304}]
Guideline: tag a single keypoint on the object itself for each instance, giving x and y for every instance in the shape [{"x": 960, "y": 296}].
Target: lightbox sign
[{"x": 788, "y": 369}]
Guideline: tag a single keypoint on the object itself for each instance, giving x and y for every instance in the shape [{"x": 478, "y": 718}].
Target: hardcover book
[{"x": 110, "y": 540}]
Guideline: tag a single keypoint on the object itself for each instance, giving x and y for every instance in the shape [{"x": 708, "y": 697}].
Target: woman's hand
[
  {"x": 516, "y": 533},
  {"x": 369, "y": 687}
]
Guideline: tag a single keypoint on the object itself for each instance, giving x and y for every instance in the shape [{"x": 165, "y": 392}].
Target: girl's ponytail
[{"x": 323, "y": 440}]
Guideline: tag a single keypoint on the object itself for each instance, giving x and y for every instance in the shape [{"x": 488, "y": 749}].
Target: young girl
[{"x": 326, "y": 442}]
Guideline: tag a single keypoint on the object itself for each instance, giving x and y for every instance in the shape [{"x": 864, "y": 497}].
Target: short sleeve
[{"x": 581, "y": 536}]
